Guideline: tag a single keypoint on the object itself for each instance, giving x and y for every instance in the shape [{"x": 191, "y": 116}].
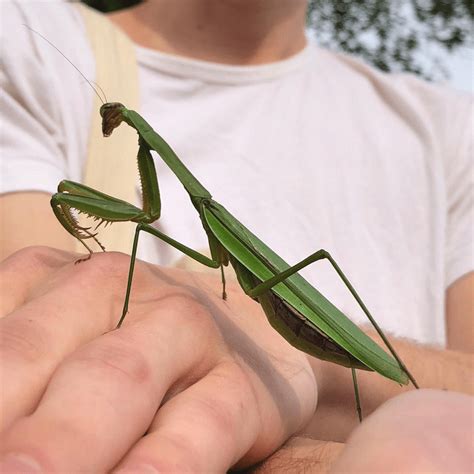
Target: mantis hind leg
[
  {"x": 224, "y": 294},
  {"x": 356, "y": 393},
  {"x": 321, "y": 255},
  {"x": 356, "y": 296}
]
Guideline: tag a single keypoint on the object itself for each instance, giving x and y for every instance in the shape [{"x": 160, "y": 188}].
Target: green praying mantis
[{"x": 293, "y": 307}]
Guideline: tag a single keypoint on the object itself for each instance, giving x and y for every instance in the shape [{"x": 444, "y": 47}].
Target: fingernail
[
  {"x": 18, "y": 463},
  {"x": 134, "y": 468}
]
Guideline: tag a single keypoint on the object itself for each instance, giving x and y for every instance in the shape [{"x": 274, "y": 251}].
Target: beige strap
[{"x": 111, "y": 162}]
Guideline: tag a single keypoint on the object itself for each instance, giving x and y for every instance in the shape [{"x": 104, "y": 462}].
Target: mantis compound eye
[{"x": 111, "y": 114}]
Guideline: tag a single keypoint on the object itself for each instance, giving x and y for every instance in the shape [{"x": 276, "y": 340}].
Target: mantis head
[{"x": 111, "y": 113}]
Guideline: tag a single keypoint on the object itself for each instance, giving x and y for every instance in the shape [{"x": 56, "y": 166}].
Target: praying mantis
[{"x": 293, "y": 307}]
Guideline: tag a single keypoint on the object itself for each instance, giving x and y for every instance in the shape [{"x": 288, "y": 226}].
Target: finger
[
  {"x": 218, "y": 411},
  {"x": 105, "y": 395},
  {"x": 81, "y": 305},
  {"x": 26, "y": 269}
]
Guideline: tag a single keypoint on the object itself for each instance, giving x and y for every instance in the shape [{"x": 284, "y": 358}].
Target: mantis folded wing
[{"x": 297, "y": 310}]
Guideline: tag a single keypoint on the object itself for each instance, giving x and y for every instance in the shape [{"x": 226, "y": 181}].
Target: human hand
[{"x": 189, "y": 383}]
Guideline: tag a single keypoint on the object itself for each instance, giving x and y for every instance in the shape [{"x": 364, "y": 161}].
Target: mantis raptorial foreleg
[
  {"x": 106, "y": 208},
  {"x": 356, "y": 392}
]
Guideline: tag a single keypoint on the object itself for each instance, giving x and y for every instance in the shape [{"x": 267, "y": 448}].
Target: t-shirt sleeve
[
  {"x": 460, "y": 197},
  {"x": 31, "y": 155}
]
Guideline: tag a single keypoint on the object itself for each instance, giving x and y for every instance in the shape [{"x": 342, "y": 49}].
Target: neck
[{"x": 224, "y": 31}]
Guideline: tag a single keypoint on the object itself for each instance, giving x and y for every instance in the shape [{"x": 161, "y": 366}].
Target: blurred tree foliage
[
  {"x": 393, "y": 35},
  {"x": 110, "y": 5}
]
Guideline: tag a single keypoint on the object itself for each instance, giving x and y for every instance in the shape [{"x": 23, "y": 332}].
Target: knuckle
[
  {"x": 182, "y": 306},
  {"x": 225, "y": 417},
  {"x": 35, "y": 251},
  {"x": 104, "y": 272},
  {"x": 116, "y": 358},
  {"x": 110, "y": 265},
  {"x": 228, "y": 417},
  {"x": 183, "y": 454},
  {"x": 218, "y": 416},
  {"x": 23, "y": 343},
  {"x": 28, "y": 256}
]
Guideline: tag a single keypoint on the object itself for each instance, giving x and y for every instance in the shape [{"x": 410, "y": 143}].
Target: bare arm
[
  {"x": 335, "y": 417},
  {"x": 449, "y": 369},
  {"x": 26, "y": 219},
  {"x": 381, "y": 443},
  {"x": 459, "y": 314}
]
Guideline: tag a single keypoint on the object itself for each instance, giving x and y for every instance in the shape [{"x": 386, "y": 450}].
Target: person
[{"x": 381, "y": 164}]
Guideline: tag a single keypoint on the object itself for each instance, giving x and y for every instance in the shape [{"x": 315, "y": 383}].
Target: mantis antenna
[{"x": 93, "y": 85}]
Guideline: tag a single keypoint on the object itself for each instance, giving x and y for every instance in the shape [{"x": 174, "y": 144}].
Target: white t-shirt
[{"x": 317, "y": 151}]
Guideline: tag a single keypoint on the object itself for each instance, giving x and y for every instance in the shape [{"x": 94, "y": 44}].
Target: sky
[{"x": 461, "y": 68}]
